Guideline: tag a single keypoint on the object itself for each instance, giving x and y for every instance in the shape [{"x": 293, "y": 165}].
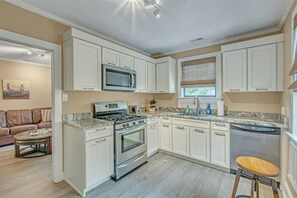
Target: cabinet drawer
[
  {"x": 191, "y": 122},
  {"x": 222, "y": 126},
  {"x": 99, "y": 132},
  {"x": 166, "y": 119},
  {"x": 152, "y": 120}
]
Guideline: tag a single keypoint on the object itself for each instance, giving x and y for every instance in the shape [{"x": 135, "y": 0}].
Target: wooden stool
[{"x": 257, "y": 167}]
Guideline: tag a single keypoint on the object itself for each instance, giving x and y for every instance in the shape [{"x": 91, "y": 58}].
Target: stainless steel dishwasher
[{"x": 258, "y": 141}]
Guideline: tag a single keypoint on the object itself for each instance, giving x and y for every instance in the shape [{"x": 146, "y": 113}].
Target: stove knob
[
  {"x": 123, "y": 125},
  {"x": 133, "y": 123},
  {"x": 127, "y": 125},
  {"x": 139, "y": 121}
]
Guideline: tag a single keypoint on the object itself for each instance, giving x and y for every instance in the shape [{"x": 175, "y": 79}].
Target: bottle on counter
[{"x": 208, "y": 109}]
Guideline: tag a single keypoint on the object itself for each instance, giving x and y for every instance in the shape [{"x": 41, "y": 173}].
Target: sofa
[{"x": 13, "y": 122}]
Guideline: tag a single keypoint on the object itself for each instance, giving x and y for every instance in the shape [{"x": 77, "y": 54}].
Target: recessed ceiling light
[
  {"x": 157, "y": 13},
  {"x": 29, "y": 52}
]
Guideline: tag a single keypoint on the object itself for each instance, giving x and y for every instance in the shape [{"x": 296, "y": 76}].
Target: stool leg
[
  {"x": 253, "y": 188},
  {"x": 236, "y": 182},
  {"x": 257, "y": 187},
  {"x": 274, "y": 188}
]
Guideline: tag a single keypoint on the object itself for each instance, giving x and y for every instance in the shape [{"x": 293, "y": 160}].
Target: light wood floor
[{"x": 162, "y": 176}]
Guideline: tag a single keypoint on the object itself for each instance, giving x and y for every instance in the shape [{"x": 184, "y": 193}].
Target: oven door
[
  {"x": 116, "y": 78},
  {"x": 130, "y": 143}
]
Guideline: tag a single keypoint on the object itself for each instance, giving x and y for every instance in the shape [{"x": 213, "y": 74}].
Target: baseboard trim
[{"x": 286, "y": 192}]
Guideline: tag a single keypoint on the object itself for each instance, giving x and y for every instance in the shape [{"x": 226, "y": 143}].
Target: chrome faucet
[{"x": 197, "y": 102}]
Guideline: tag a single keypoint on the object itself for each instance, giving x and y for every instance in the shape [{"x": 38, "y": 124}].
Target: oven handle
[
  {"x": 123, "y": 165},
  {"x": 129, "y": 130},
  {"x": 132, "y": 78}
]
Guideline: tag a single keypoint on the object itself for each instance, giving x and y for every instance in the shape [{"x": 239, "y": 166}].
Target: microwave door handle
[{"x": 132, "y": 79}]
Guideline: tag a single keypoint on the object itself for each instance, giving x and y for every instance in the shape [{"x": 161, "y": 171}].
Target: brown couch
[{"x": 13, "y": 122}]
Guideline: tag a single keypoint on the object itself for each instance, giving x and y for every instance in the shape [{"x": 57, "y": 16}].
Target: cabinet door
[
  {"x": 162, "y": 73},
  {"x": 200, "y": 144},
  {"x": 262, "y": 68},
  {"x": 180, "y": 137},
  {"x": 99, "y": 160},
  {"x": 166, "y": 136},
  {"x": 152, "y": 139},
  {"x": 110, "y": 57},
  {"x": 235, "y": 71},
  {"x": 220, "y": 148},
  {"x": 140, "y": 67},
  {"x": 151, "y": 77},
  {"x": 87, "y": 66},
  {"x": 126, "y": 61}
]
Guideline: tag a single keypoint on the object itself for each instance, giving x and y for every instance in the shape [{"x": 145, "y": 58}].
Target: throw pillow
[{"x": 46, "y": 115}]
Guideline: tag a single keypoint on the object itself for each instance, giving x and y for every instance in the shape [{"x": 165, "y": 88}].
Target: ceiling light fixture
[
  {"x": 29, "y": 52},
  {"x": 157, "y": 13},
  {"x": 151, "y": 3}
]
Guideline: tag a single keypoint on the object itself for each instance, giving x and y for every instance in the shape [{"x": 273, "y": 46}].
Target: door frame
[{"x": 56, "y": 95}]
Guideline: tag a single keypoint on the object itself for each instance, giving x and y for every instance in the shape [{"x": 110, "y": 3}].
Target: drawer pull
[
  {"x": 261, "y": 89},
  {"x": 88, "y": 88},
  {"x": 127, "y": 67},
  {"x": 165, "y": 118},
  {"x": 111, "y": 63},
  {"x": 182, "y": 128},
  {"x": 220, "y": 124},
  {"x": 199, "y": 131},
  {"x": 98, "y": 141},
  {"x": 101, "y": 129},
  {"x": 161, "y": 91},
  {"x": 165, "y": 125},
  {"x": 220, "y": 134},
  {"x": 234, "y": 89}
]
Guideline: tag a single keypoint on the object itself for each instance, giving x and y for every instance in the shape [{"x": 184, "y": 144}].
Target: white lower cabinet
[
  {"x": 220, "y": 148},
  {"x": 99, "y": 160},
  {"x": 152, "y": 139},
  {"x": 166, "y": 136},
  {"x": 88, "y": 157},
  {"x": 200, "y": 144},
  {"x": 180, "y": 140}
]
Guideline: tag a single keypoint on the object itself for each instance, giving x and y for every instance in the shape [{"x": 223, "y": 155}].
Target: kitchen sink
[{"x": 194, "y": 115}]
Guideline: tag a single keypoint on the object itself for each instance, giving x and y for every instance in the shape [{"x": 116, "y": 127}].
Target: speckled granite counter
[
  {"x": 229, "y": 119},
  {"x": 84, "y": 121}
]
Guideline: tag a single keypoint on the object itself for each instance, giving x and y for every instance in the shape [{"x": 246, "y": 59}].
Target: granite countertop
[
  {"x": 87, "y": 123},
  {"x": 214, "y": 118}
]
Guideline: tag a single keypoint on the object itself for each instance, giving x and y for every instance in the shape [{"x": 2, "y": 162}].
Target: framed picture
[{"x": 15, "y": 89}]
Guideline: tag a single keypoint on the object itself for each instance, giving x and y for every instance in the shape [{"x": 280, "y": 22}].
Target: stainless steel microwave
[{"x": 118, "y": 79}]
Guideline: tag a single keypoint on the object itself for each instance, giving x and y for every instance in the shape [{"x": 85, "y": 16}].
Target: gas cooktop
[{"x": 121, "y": 118}]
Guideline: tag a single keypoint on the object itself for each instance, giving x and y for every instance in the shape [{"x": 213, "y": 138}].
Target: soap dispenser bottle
[{"x": 208, "y": 110}]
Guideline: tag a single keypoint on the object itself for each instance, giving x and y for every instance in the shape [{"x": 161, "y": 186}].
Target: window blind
[{"x": 198, "y": 73}]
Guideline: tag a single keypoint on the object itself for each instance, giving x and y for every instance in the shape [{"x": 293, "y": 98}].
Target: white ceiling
[
  {"x": 181, "y": 20},
  {"x": 19, "y": 53}
]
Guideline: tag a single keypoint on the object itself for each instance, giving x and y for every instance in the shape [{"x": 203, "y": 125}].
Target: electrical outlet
[{"x": 65, "y": 97}]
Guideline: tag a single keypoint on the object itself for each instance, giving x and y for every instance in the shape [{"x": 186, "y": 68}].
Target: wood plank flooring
[{"x": 163, "y": 176}]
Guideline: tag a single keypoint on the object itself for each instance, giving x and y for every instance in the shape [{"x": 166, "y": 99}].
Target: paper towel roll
[{"x": 220, "y": 108}]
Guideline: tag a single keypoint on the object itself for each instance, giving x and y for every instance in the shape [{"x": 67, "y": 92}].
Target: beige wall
[
  {"x": 27, "y": 23},
  {"x": 40, "y": 84},
  {"x": 255, "y": 102}
]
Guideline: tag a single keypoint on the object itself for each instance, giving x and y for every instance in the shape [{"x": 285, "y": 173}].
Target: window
[{"x": 199, "y": 77}]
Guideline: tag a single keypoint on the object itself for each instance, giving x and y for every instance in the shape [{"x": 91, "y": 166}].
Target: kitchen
[{"x": 262, "y": 103}]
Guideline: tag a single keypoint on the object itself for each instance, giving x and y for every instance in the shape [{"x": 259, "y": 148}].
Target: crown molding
[
  {"x": 56, "y": 18},
  {"x": 24, "y": 62}
]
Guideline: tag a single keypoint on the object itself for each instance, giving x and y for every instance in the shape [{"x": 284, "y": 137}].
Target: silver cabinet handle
[
  {"x": 165, "y": 118},
  {"x": 162, "y": 91},
  {"x": 178, "y": 127},
  {"x": 199, "y": 131},
  {"x": 111, "y": 63},
  {"x": 127, "y": 67},
  {"x": 165, "y": 125},
  {"x": 234, "y": 89},
  {"x": 261, "y": 89},
  {"x": 220, "y": 124},
  {"x": 88, "y": 88},
  {"x": 220, "y": 134},
  {"x": 101, "y": 129},
  {"x": 98, "y": 141}
]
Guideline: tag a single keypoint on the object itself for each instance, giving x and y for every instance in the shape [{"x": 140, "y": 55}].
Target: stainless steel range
[{"x": 130, "y": 136}]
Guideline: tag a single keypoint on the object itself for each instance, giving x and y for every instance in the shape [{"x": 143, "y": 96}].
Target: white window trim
[{"x": 182, "y": 101}]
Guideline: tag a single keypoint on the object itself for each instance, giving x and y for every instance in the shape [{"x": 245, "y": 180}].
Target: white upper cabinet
[
  {"x": 140, "y": 67},
  {"x": 110, "y": 57},
  {"x": 235, "y": 71},
  {"x": 151, "y": 77},
  {"x": 82, "y": 65},
  {"x": 262, "y": 68},
  {"x": 165, "y": 75},
  {"x": 254, "y": 65},
  {"x": 126, "y": 61}
]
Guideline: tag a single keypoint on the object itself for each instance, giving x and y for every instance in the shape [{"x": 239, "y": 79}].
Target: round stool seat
[{"x": 257, "y": 166}]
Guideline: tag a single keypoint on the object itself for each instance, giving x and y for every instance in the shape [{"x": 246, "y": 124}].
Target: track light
[{"x": 157, "y": 13}]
